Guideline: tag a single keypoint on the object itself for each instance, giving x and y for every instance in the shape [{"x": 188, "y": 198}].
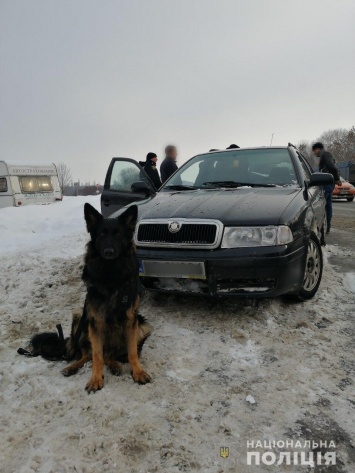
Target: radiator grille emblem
[{"x": 174, "y": 227}]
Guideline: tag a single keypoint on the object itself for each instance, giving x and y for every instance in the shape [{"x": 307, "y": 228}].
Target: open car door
[{"x": 126, "y": 182}]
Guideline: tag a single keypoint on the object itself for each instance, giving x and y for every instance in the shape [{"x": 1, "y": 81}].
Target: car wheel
[
  {"x": 313, "y": 271},
  {"x": 350, "y": 199}
]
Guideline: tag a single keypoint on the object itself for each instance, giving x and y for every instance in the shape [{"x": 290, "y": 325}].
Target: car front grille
[{"x": 194, "y": 234}]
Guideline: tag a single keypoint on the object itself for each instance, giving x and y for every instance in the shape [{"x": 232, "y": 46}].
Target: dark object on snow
[
  {"x": 233, "y": 146},
  {"x": 49, "y": 345}
]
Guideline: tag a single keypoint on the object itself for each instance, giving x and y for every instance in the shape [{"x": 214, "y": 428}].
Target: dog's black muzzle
[{"x": 109, "y": 253}]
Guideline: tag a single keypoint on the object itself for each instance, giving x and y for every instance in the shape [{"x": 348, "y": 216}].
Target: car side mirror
[
  {"x": 321, "y": 179},
  {"x": 140, "y": 187}
]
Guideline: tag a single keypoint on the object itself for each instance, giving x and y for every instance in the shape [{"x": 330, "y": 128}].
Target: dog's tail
[{"x": 49, "y": 345}]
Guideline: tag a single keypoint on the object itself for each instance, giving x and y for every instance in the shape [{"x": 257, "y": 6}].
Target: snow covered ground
[
  {"x": 208, "y": 359},
  {"x": 58, "y": 224}
]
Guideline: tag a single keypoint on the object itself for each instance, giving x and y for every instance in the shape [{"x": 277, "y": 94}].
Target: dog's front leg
[
  {"x": 96, "y": 337},
  {"x": 138, "y": 374}
]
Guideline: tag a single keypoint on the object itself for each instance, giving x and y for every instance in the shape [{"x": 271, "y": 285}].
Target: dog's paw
[
  {"x": 69, "y": 371},
  {"x": 94, "y": 385},
  {"x": 141, "y": 377}
]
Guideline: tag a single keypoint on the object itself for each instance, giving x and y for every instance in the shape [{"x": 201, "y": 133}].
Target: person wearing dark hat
[
  {"x": 233, "y": 146},
  {"x": 327, "y": 164},
  {"x": 168, "y": 166},
  {"x": 150, "y": 167}
]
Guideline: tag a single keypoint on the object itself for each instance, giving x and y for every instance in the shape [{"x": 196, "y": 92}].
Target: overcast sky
[{"x": 84, "y": 80}]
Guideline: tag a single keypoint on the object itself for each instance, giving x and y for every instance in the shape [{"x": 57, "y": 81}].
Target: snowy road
[{"x": 205, "y": 357}]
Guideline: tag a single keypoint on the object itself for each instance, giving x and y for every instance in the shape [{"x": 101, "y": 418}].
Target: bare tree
[
  {"x": 64, "y": 176},
  {"x": 339, "y": 141}
]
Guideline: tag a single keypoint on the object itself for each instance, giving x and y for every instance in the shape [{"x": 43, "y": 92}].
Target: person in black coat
[
  {"x": 327, "y": 164},
  {"x": 168, "y": 166},
  {"x": 150, "y": 167}
]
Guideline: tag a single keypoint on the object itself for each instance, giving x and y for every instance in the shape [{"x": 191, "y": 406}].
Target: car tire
[
  {"x": 350, "y": 199},
  {"x": 313, "y": 271}
]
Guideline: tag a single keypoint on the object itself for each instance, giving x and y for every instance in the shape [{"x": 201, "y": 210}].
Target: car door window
[
  {"x": 306, "y": 170},
  {"x": 124, "y": 174}
]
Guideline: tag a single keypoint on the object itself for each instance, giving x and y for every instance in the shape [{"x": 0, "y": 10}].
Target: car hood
[{"x": 242, "y": 206}]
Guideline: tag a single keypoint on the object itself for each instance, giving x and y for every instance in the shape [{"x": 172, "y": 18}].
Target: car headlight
[{"x": 236, "y": 237}]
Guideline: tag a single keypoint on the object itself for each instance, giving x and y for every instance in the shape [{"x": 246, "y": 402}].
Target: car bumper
[
  {"x": 242, "y": 272},
  {"x": 340, "y": 194}
]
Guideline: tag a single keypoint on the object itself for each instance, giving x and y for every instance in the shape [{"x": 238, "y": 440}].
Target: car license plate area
[{"x": 172, "y": 269}]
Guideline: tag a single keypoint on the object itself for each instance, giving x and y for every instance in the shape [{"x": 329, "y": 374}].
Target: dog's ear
[
  {"x": 129, "y": 217},
  {"x": 92, "y": 217}
]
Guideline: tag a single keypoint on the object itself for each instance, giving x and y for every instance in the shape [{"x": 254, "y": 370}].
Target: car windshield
[{"x": 267, "y": 167}]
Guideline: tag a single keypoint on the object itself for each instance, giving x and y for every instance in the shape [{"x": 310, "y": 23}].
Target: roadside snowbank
[{"x": 24, "y": 227}]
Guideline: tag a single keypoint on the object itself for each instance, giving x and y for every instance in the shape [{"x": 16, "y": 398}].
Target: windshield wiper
[
  {"x": 180, "y": 187},
  {"x": 222, "y": 183},
  {"x": 258, "y": 185},
  {"x": 235, "y": 184}
]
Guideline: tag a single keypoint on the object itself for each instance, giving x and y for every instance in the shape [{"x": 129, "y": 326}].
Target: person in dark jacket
[
  {"x": 150, "y": 167},
  {"x": 168, "y": 166},
  {"x": 327, "y": 164}
]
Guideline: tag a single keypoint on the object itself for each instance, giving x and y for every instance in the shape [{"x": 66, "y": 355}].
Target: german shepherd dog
[{"x": 113, "y": 331}]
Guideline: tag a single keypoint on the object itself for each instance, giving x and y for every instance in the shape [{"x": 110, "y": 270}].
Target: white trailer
[{"x": 28, "y": 184}]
